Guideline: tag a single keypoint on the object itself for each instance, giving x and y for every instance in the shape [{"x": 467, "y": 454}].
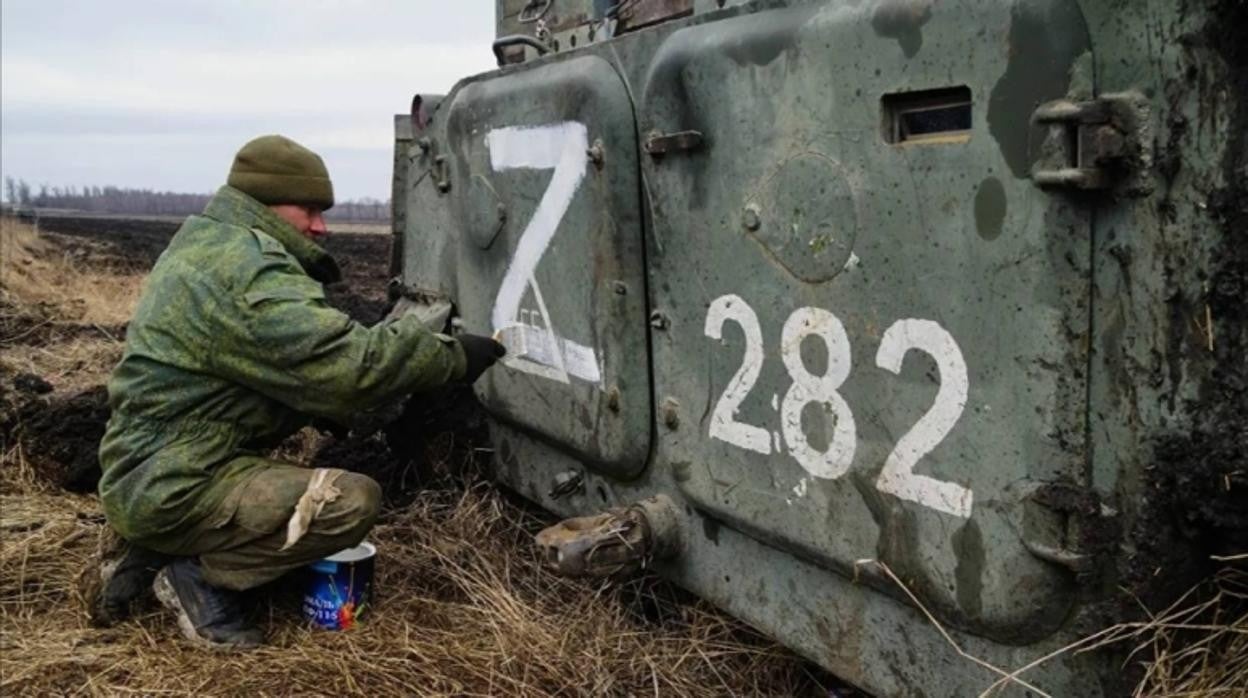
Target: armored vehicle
[{"x": 910, "y": 332}]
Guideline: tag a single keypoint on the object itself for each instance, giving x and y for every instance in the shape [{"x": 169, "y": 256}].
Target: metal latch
[
  {"x": 1090, "y": 145},
  {"x": 659, "y": 144},
  {"x": 441, "y": 174}
]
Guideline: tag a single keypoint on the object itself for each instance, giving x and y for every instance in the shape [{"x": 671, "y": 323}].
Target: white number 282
[{"x": 897, "y": 476}]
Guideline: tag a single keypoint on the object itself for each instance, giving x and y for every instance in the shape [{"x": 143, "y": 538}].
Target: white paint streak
[
  {"x": 898, "y": 476},
  {"x": 799, "y": 490},
  {"x": 806, "y": 388},
  {"x": 556, "y": 357},
  {"x": 724, "y": 425},
  {"x": 560, "y": 147},
  {"x": 539, "y": 351}
]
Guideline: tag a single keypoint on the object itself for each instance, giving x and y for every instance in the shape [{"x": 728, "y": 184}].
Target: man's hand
[{"x": 481, "y": 352}]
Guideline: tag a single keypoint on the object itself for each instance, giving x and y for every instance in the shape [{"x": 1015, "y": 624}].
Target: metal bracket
[
  {"x": 1090, "y": 146},
  {"x": 1067, "y": 525},
  {"x": 659, "y": 144},
  {"x": 504, "y": 42}
]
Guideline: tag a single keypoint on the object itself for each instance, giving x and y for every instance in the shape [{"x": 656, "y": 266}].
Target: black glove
[{"x": 480, "y": 353}]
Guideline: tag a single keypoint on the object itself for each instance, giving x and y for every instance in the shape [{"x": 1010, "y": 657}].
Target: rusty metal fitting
[
  {"x": 670, "y": 409},
  {"x": 614, "y": 543},
  {"x": 750, "y": 217},
  {"x": 566, "y": 483},
  {"x": 597, "y": 153}
]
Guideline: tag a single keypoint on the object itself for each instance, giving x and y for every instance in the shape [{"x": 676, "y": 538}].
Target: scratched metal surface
[{"x": 828, "y": 347}]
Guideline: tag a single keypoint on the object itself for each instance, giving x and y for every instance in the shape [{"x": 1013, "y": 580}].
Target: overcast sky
[{"x": 161, "y": 93}]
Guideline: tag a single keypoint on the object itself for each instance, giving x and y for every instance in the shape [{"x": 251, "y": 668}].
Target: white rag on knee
[{"x": 320, "y": 492}]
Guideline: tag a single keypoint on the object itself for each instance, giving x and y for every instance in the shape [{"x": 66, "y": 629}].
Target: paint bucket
[{"x": 339, "y": 587}]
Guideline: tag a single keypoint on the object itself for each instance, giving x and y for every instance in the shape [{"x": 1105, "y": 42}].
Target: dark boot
[
  {"x": 208, "y": 616},
  {"x": 118, "y": 580}
]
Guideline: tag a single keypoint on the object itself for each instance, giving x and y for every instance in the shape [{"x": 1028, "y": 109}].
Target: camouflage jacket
[{"x": 232, "y": 348}]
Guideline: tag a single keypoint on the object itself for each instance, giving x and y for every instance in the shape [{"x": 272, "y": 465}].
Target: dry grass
[
  {"x": 59, "y": 318},
  {"x": 34, "y": 273},
  {"x": 1197, "y": 646},
  {"x": 77, "y": 364},
  {"x": 462, "y": 610}
]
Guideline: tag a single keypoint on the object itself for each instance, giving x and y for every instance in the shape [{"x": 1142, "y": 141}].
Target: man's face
[{"x": 306, "y": 219}]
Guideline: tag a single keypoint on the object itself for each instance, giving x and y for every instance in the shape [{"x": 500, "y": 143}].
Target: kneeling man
[{"x": 231, "y": 349}]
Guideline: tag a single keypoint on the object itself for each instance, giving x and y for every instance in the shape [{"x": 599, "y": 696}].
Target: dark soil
[
  {"x": 112, "y": 244},
  {"x": 1210, "y": 465},
  {"x": 62, "y": 438},
  {"x": 1196, "y": 503},
  {"x": 134, "y": 245},
  {"x": 365, "y": 264},
  {"x": 59, "y": 436},
  {"x": 40, "y": 326},
  {"x": 21, "y": 394}
]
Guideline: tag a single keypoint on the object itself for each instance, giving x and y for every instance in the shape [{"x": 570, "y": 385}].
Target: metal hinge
[{"x": 1089, "y": 145}]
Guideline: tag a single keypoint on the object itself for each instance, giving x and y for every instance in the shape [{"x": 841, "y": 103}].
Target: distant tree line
[{"x": 146, "y": 202}]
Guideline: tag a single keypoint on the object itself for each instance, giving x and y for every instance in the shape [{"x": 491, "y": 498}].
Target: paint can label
[{"x": 339, "y": 588}]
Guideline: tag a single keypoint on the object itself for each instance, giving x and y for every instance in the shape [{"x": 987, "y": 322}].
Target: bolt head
[
  {"x": 597, "y": 152},
  {"x": 750, "y": 218},
  {"x": 671, "y": 412}
]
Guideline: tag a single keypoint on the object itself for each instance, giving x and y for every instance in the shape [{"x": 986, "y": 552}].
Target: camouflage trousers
[{"x": 277, "y": 519}]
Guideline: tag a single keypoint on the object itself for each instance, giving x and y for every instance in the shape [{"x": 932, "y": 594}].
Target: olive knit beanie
[{"x": 277, "y": 170}]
